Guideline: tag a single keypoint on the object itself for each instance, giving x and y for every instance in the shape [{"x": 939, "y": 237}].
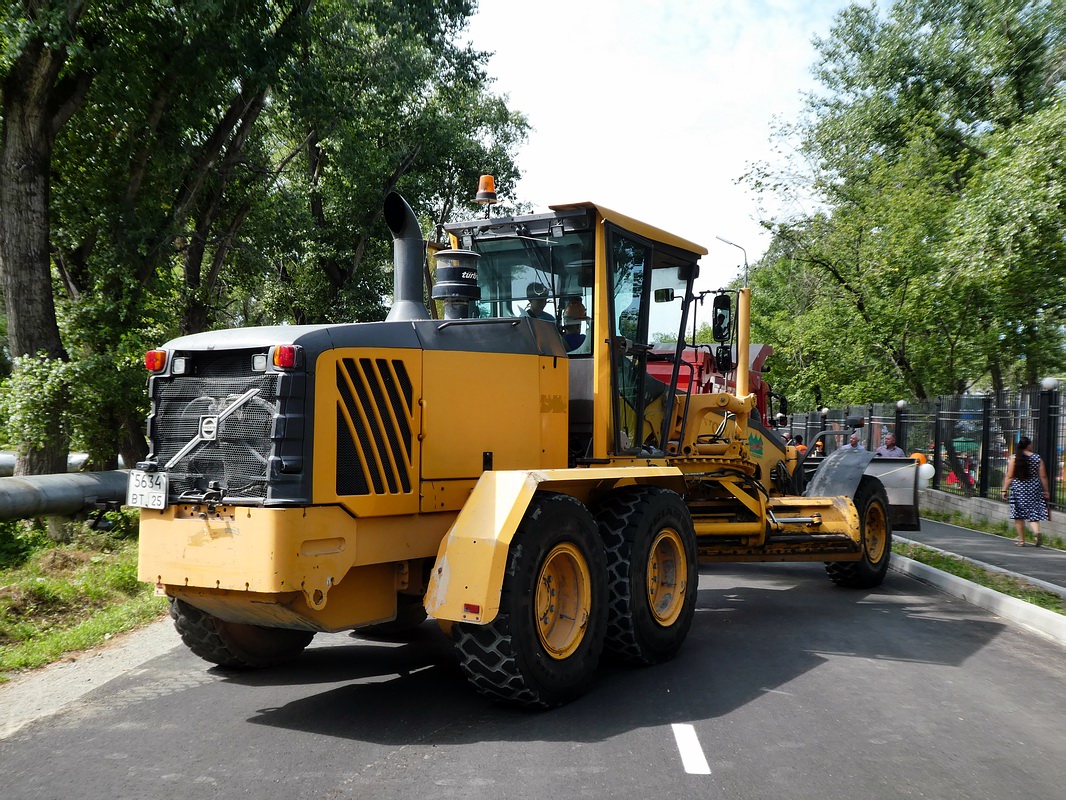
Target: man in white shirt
[{"x": 853, "y": 443}]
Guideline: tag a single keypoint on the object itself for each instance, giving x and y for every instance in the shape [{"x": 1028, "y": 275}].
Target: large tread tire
[
  {"x": 410, "y": 614},
  {"x": 533, "y": 654},
  {"x": 652, "y": 572},
  {"x": 876, "y": 529},
  {"x": 235, "y": 645}
]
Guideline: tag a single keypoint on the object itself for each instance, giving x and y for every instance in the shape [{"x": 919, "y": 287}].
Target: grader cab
[{"x": 524, "y": 470}]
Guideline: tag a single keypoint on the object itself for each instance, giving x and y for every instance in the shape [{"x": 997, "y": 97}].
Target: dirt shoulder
[{"x": 46, "y": 691}]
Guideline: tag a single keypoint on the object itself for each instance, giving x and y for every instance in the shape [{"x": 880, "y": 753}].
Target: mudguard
[
  {"x": 841, "y": 471},
  {"x": 468, "y": 574}
]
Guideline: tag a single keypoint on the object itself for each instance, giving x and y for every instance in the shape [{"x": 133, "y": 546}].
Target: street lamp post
[
  {"x": 901, "y": 432},
  {"x": 741, "y": 249}
]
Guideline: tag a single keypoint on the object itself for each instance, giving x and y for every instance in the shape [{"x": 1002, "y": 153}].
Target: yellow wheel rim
[
  {"x": 667, "y": 577},
  {"x": 876, "y": 536},
  {"x": 564, "y": 600}
]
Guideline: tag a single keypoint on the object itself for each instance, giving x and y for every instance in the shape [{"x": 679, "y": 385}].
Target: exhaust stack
[{"x": 408, "y": 256}]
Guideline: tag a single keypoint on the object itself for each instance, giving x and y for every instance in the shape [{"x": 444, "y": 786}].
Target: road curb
[
  {"x": 1026, "y": 614},
  {"x": 1047, "y": 587}
]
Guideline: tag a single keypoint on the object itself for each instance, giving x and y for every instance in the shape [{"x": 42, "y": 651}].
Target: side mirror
[
  {"x": 664, "y": 295},
  {"x": 855, "y": 422},
  {"x": 722, "y": 318},
  {"x": 723, "y": 358}
]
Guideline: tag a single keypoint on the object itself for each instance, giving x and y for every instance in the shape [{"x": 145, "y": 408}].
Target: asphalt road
[{"x": 787, "y": 688}]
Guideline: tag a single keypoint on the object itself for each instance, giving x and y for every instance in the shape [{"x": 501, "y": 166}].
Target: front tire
[
  {"x": 652, "y": 572},
  {"x": 876, "y": 536},
  {"x": 233, "y": 644},
  {"x": 543, "y": 647}
]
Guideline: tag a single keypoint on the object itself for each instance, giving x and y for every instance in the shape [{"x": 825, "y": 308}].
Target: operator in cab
[
  {"x": 574, "y": 316},
  {"x": 538, "y": 295}
]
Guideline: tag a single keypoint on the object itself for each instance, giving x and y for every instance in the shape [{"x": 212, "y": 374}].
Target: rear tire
[
  {"x": 543, "y": 647},
  {"x": 233, "y": 644},
  {"x": 876, "y": 529},
  {"x": 652, "y": 572}
]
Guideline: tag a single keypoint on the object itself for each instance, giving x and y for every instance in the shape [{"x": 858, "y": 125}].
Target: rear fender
[{"x": 468, "y": 574}]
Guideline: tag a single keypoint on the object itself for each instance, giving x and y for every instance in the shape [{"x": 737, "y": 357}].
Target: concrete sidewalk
[{"x": 1043, "y": 567}]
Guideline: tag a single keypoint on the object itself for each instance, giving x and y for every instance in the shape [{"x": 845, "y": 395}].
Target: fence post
[
  {"x": 870, "y": 426},
  {"x": 901, "y": 431},
  {"x": 1046, "y": 424},
  {"x": 937, "y": 441},
  {"x": 986, "y": 446}
]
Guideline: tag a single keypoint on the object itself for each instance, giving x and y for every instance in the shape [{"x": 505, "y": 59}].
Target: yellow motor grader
[{"x": 513, "y": 469}]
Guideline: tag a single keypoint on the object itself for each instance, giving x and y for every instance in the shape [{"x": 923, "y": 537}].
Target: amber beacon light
[{"x": 486, "y": 191}]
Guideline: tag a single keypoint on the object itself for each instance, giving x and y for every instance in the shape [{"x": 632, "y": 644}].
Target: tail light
[
  {"x": 155, "y": 360},
  {"x": 286, "y": 356}
]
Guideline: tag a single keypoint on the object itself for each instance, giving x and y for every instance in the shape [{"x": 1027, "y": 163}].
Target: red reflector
[
  {"x": 285, "y": 356},
  {"x": 470, "y": 608},
  {"x": 155, "y": 360}
]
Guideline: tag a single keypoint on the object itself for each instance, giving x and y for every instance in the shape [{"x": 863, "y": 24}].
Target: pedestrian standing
[
  {"x": 1026, "y": 482},
  {"x": 853, "y": 443},
  {"x": 889, "y": 449}
]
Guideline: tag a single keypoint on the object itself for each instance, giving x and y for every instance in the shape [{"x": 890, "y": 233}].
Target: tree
[
  {"x": 40, "y": 88},
  {"x": 1008, "y": 247},
  {"x": 225, "y": 163},
  {"x": 912, "y": 104}
]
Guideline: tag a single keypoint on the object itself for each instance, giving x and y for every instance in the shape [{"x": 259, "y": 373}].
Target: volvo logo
[{"x": 209, "y": 428}]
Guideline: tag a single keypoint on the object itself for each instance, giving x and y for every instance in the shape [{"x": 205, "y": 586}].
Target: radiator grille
[
  {"x": 238, "y": 457},
  {"x": 374, "y": 424}
]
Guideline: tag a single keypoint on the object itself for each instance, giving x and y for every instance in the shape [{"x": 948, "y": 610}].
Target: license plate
[{"x": 147, "y": 489}]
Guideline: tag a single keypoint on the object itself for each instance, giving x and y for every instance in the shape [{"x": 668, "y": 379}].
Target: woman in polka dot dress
[{"x": 1027, "y": 481}]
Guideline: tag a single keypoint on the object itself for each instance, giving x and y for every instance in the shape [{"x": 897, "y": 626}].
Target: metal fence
[{"x": 968, "y": 438}]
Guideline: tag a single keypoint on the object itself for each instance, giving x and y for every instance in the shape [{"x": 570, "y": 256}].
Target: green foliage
[
  {"x": 69, "y": 598},
  {"x": 934, "y": 160},
  {"x": 83, "y": 396},
  {"x": 1008, "y": 243},
  {"x": 19, "y": 540},
  {"x": 34, "y": 396},
  {"x": 227, "y": 165}
]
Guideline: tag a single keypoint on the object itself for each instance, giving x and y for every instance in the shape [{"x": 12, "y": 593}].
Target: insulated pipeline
[{"x": 58, "y": 495}]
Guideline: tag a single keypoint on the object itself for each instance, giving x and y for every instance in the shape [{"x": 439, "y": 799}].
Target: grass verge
[
  {"x": 1004, "y": 584},
  {"x": 60, "y": 598}
]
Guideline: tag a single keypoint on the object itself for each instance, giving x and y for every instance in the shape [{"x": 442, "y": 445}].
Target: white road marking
[{"x": 691, "y": 753}]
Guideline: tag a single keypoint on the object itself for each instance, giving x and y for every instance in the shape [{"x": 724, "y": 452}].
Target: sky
[{"x": 654, "y": 108}]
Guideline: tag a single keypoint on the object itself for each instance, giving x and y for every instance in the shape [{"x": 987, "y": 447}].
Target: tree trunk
[
  {"x": 25, "y": 266},
  {"x": 132, "y": 445}
]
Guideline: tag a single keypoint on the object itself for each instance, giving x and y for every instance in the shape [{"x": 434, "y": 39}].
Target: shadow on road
[{"x": 758, "y": 628}]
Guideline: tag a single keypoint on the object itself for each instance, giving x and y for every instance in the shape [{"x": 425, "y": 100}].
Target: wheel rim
[
  {"x": 876, "y": 534},
  {"x": 667, "y": 576},
  {"x": 564, "y": 600}
]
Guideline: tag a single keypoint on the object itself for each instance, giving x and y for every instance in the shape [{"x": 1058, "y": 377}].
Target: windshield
[{"x": 541, "y": 277}]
